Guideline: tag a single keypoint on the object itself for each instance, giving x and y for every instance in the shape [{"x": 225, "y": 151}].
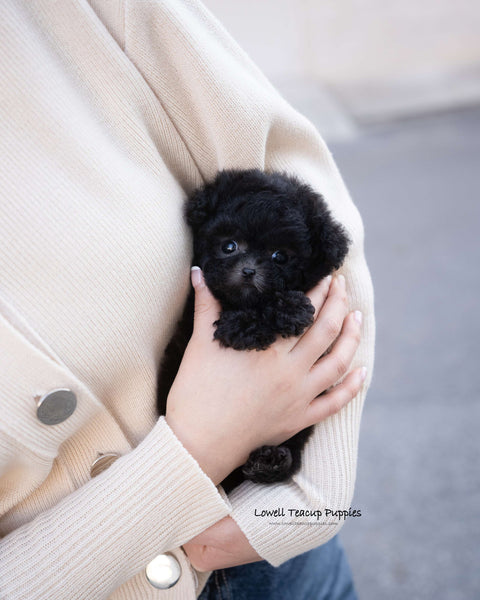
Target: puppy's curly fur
[{"x": 262, "y": 241}]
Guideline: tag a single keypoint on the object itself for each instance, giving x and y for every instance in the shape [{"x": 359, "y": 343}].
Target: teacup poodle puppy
[{"x": 262, "y": 240}]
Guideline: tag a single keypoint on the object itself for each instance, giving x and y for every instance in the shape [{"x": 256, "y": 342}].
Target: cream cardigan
[{"x": 111, "y": 113}]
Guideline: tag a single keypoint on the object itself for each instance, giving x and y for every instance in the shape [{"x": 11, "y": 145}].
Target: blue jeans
[{"x": 320, "y": 574}]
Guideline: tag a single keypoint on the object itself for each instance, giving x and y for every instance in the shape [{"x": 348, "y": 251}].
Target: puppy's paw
[
  {"x": 268, "y": 464},
  {"x": 242, "y": 330},
  {"x": 293, "y": 313}
]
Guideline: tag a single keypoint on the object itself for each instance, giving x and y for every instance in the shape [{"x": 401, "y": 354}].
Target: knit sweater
[{"x": 112, "y": 112}]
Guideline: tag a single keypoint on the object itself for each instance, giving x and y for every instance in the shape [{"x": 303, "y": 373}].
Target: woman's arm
[{"x": 229, "y": 115}]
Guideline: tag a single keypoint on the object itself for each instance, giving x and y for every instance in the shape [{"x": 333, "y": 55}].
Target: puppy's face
[
  {"x": 251, "y": 249},
  {"x": 256, "y": 234}
]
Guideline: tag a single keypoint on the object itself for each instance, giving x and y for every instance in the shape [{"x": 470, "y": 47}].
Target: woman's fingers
[
  {"x": 328, "y": 324},
  {"x": 319, "y": 294},
  {"x": 336, "y": 398},
  {"x": 332, "y": 367},
  {"x": 207, "y": 308}
]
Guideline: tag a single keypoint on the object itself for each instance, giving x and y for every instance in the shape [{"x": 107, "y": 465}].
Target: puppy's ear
[
  {"x": 329, "y": 240},
  {"x": 201, "y": 205},
  {"x": 205, "y": 201}
]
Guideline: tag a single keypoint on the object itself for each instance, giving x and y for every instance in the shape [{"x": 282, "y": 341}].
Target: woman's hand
[
  {"x": 221, "y": 546},
  {"x": 225, "y": 403}
]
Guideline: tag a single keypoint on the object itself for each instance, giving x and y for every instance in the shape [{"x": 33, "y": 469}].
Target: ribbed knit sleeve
[
  {"x": 149, "y": 501},
  {"x": 229, "y": 115}
]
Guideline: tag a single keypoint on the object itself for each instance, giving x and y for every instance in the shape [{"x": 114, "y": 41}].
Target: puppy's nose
[{"x": 247, "y": 272}]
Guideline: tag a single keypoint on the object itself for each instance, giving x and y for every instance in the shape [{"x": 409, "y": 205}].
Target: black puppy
[{"x": 262, "y": 240}]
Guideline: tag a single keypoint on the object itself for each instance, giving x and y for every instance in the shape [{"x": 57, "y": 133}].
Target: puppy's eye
[
  {"x": 229, "y": 247},
  {"x": 279, "y": 257}
]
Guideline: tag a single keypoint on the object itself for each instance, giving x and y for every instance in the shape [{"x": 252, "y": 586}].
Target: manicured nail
[
  {"x": 358, "y": 316},
  {"x": 363, "y": 373},
  {"x": 341, "y": 281},
  {"x": 196, "y": 273}
]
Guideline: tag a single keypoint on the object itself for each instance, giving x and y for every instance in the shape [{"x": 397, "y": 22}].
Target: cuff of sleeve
[
  {"x": 266, "y": 515},
  {"x": 196, "y": 480},
  {"x": 175, "y": 497}
]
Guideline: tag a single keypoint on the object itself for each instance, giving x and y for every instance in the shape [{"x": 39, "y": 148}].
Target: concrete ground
[{"x": 417, "y": 185}]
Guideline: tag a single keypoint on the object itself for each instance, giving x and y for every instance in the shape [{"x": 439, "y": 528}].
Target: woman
[{"x": 112, "y": 113}]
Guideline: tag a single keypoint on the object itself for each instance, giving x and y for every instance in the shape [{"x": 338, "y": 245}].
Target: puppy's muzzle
[{"x": 247, "y": 276}]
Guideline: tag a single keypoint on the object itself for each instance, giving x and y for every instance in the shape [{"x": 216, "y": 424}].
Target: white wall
[{"x": 385, "y": 50}]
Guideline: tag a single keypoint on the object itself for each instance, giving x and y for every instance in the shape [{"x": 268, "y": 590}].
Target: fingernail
[
  {"x": 328, "y": 279},
  {"x": 196, "y": 274},
  {"x": 363, "y": 373},
  {"x": 341, "y": 281},
  {"x": 358, "y": 316}
]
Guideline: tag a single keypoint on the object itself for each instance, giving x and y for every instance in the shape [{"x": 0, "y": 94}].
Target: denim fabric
[{"x": 320, "y": 574}]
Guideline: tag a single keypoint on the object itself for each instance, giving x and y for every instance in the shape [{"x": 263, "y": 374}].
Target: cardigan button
[
  {"x": 102, "y": 462},
  {"x": 56, "y": 406},
  {"x": 163, "y": 572}
]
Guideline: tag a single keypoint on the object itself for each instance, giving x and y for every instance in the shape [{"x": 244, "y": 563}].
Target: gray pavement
[{"x": 417, "y": 185}]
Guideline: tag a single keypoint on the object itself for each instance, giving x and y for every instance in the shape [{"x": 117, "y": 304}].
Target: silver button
[
  {"x": 56, "y": 406},
  {"x": 163, "y": 572},
  {"x": 102, "y": 463}
]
